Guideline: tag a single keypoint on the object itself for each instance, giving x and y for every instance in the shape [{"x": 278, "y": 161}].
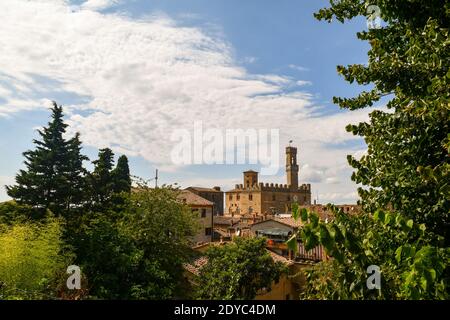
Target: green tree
[
  {"x": 161, "y": 228},
  {"x": 11, "y": 212},
  {"x": 411, "y": 266},
  {"x": 32, "y": 257},
  {"x": 407, "y": 163},
  {"x": 238, "y": 270},
  {"x": 138, "y": 252},
  {"x": 121, "y": 175},
  {"x": 54, "y": 175},
  {"x": 102, "y": 182}
]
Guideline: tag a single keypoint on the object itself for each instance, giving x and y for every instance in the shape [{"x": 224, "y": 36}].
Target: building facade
[
  {"x": 215, "y": 195},
  {"x": 204, "y": 210},
  {"x": 257, "y": 198}
]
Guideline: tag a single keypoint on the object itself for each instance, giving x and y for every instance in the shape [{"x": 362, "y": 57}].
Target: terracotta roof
[
  {"x": 225, "y": 220},
  {"x": 221, "y": 232},
  {"x": 278, "y": 258},
  {"x": 195, "y": 266},
  {"x": 203, "y": 189},
  {"x": 289, "y": 221},
  {"x": 191, "y": 198}
]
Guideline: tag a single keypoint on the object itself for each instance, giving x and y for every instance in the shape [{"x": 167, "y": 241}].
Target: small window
[
  {"x": 250, "y": 197},
  {"x": 273, "y": 197},
  {"x": 288, "y": 198},
  {"x": 230, "y": 197},
  {"x": 238, "y": 197},
  {"x": 194, "y": 210},
  {"x": 208, "y": 231},
  {"x": 203, "y": 213}
]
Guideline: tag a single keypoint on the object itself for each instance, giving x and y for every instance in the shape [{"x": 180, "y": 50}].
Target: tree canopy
[
  {"x": 405, "y": 173},
  {"x": 238, "y": 270}
]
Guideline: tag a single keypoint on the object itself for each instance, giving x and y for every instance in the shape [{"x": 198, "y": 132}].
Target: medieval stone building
[{"x": 257, "y": 198}]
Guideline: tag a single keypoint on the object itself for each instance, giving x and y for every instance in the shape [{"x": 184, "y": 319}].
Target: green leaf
[
  {"x": 292, "y": 243},
  {"x": 410, "y": 224},
  {"x": 304, "y": 214},
  {"x": 398, "y": 254},
  {"x": 314, "y": 219},
  {"x": 295, "y": 211}
]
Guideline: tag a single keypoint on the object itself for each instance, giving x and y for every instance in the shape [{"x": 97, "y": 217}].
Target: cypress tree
[
  {"x": 102, "y": 183},
  {"x": 54, "y": 174},
  {"x": 121, "y": 175}
]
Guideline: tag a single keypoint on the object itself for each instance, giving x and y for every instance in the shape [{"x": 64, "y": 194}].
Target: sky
[{"x": 129, "y": 73}]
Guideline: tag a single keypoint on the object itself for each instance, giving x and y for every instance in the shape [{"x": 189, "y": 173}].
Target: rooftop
[
  {"x": 191, "y": 198},
  {"x": 202, "y": 189}
]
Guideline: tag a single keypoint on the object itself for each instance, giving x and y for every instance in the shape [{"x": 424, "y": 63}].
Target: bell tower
[
  {"x": 250, "y": 178},
  {"x": 292, "y": 167}
]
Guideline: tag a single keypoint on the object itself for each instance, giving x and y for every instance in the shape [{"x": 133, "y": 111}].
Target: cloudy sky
[{"x": 131, "y": 72}]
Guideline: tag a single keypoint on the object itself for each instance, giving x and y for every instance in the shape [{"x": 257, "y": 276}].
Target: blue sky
[{"x": 130, "y": 72}]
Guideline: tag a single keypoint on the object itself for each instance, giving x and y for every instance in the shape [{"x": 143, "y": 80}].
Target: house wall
[{"x": 204, "y": 223}]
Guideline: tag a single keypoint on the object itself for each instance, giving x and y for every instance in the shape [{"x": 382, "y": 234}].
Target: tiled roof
[
  {"x": 289, "y": 221},
  {"x": 195, "y": 266},
  {"x": 191, "y": 198},
  {"x": 278, "y": 258},
  {"x": 200, "y": 189},
  {"x": 225, "y": 220}
]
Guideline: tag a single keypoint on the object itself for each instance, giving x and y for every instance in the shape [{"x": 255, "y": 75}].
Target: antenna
[{"x": 156, "y": 179}]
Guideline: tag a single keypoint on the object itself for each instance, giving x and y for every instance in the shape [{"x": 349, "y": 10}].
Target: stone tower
[
  {"x": 291, "y": 168},
  {"x": 250, "y": 178}
]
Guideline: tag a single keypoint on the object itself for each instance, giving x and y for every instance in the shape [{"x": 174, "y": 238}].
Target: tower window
[
  {"x": 288, "y": 198},
  {"x": 250, "y": 197},
  {"x": 273, "y": 197},
  {"x": 238, "y": 197},
  {"x": 230, "y": 197}
]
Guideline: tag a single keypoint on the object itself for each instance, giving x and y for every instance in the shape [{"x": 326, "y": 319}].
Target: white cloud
[
  {"x": 301, "y": 83},
  {"x": 144, "y": 78},
  {"x": 297, "y": 68}
]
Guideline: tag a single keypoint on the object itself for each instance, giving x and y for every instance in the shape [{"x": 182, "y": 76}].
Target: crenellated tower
[{"x": 292, "y": 167}]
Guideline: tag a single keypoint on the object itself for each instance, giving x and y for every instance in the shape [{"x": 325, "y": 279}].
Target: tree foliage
[
  {"x": 32, "y": 256},
  {"x": 412, "y": 266},
  {"x": 138, "y": 252},
  {"x": 238, "y": 270},
  {"x": 121, "y": 175},
  {"x": 54, "y": 176},
  {"x": 405, "y": 173}
]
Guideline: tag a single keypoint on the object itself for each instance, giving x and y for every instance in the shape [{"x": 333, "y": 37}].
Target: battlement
[{"x": 273, "y": 187}]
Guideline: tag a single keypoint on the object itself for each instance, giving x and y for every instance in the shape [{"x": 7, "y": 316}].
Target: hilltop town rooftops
[
  {"x": 226, "y": 220},
  {"x": 201, "y": 189},
  {"x": 191, "y": 198},
  {"x": 291, "y": 222},
  {"x": 195, "y": 265}
]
